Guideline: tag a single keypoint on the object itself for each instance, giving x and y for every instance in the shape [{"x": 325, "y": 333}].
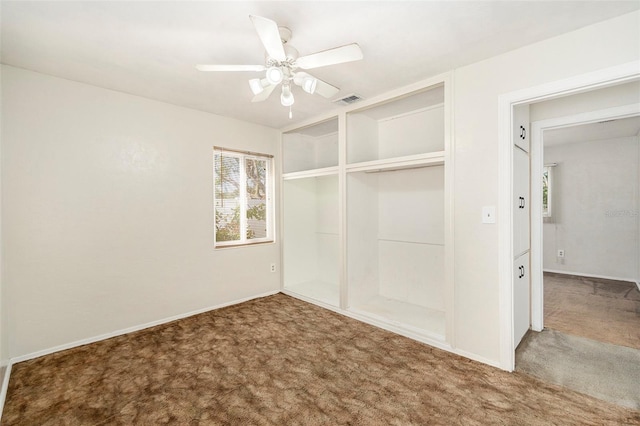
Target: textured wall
[{"x": 595, "y": 211}]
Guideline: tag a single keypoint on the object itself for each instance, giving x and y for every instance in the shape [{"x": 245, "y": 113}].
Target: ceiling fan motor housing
[{"x": 285, "y": 34}]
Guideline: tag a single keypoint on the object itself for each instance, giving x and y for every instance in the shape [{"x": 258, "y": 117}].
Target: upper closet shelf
[
  {"x": 325, "y": 171},
  {"x": 399, "y": 163},
  {"x": 311, "y": 148}
]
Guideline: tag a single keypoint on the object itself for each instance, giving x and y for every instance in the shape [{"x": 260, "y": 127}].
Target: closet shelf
[
  {"x": 410, "y": 242},
  {"x": 326, "y": 171},
  {"x": 399, "y": 163}
]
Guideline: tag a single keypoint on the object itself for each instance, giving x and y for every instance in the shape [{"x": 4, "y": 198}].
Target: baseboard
[
  {"x": 603, "y": 277},
  {"x": 480, "y": 359},
  {"x": 5, "y": 386},
  {"x": 105, "y": 336}
]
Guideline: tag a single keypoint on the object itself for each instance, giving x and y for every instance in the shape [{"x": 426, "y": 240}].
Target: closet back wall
[{"x": 107, "y": 212}]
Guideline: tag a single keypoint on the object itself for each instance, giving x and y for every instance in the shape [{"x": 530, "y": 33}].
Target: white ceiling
[
  {"x": 603, "y": 130},
  {"x": 150, "y": 48}
]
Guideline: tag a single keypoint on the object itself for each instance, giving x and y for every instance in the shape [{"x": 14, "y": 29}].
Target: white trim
[
  {"x": 311, "y": 173},
  {"x": 342, "y": 211},
  {"x": 389, "y": 96},
  {"x": 135, "y": 328},
  {"x": 449, "y": 179},
  {"x": 5, "y": 387},
  {"x": 476, "y": 357},
  {"x": 537, "y": 163},
  {"x": 411, "y": 161},
  {"x": 580, "y": 83},
  {"x": 280, "y": 225},
  {"x": 582, "y": 274},
  {"x": 535, "y": 252}
]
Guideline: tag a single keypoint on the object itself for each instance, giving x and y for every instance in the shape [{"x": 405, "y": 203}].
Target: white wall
[
  {"x": 608, "y": 97},
  {"x": 107, "y": 212},
  {"x": 595, "y": 208},
  {"x": 476, "y": 133},
  {"x": 410, "y": 236}
]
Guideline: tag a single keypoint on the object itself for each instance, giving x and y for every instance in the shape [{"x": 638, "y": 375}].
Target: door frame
[
  {"x": 537, "y": 165},
  {"x": 581, "y": 83}
]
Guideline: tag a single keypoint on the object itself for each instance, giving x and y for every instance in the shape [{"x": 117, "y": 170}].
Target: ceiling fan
[{"x": 282, "y": 64}]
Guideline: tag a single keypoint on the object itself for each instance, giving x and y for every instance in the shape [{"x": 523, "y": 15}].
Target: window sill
[{"x": 257, "y": 243}]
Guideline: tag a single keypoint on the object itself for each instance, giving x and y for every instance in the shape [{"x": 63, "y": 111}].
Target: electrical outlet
[
  {"x": 560, "y": 253},
  {"x": 273, "y": 267}
]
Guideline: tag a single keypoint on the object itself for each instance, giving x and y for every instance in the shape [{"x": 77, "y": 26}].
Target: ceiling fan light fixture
[
  {"x": 309, "y": 85},
  {"x": 257, "y": 85},
  {"x": 274, "y": 75},
  {"x": 286, "y": 98}
]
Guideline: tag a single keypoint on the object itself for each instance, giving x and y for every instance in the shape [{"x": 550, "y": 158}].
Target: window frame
[{"x": 243, "y": 156}]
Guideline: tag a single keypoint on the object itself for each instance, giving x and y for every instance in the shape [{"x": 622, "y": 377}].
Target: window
[
  {"x": 242, "y": 197},
  {"x": 547, "y": 186}
]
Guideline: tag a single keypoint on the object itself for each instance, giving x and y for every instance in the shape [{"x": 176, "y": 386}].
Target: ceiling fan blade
[
  {"x": 262, "y": 96},
  {"x": 230, "y": 67},
  {"x": 270, "y": 36},
  {"x": 338, "y": 55},
  {"x": 322, "y": 87},
  {"x": 325, "y": 89}
]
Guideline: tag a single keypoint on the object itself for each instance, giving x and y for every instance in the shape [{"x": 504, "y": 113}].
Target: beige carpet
[
  {"x": 605, "y": 371},
  {"x": 281, "y": 361},
  {"x": 603, "y": 310}
]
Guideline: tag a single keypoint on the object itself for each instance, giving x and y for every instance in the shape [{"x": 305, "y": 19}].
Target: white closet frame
[{"x": 444, "y": 157}]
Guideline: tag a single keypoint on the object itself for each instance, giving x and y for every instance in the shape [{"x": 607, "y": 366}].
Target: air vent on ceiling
[{"x": 349, "y": 99}]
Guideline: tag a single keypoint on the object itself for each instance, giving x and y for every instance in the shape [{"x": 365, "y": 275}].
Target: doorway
[
  {"x": 585, "y": 225},
  {"x": 506, "y": 103},
  {"x": 585, "y": 248}
]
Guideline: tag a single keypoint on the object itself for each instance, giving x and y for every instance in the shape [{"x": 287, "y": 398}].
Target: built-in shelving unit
[
  {"x": 366, "y": 212},
  {"x": 395, "y": 212}
]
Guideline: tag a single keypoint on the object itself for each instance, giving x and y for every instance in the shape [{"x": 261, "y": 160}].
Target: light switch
[{"x": 489, "y": 214}]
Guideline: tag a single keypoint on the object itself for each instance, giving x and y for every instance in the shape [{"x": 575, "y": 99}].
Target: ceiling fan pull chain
[{"x": 290, "y": 113}]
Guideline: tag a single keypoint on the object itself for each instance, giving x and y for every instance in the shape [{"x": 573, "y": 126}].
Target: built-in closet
[
  {"x": 311, "y": 212},
  {"x": 366, "y": 227}
]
